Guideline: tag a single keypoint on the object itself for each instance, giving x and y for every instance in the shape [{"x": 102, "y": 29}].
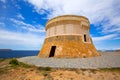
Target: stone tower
[{"x": 68, "y": 36}]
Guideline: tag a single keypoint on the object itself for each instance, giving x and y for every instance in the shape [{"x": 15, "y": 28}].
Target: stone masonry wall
[{"x": 68, "y": 46}]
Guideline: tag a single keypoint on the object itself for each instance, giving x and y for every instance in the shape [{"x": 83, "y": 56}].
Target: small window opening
[{"x": 85, "y": 39}]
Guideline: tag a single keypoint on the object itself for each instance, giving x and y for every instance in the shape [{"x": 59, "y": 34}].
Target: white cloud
[
  {"x": 106, "y": 37},
  {"x": 17, "y": 6},
  {"x": 111, "y": 26},
  {"x": 19, "y": 16},
  {"x": 29, "y": 27},
  {"x": 4, "y": 4},
  {"x": 96, "y": 10},
  {"x": 2, "y": 24},
  {"x": 20, "y": 39},
  {"x": 107, "y": 42},
  {"x": 4, "y": 1}
]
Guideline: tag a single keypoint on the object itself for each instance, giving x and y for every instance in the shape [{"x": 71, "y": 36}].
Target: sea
[{"x": 18, "y": 53}]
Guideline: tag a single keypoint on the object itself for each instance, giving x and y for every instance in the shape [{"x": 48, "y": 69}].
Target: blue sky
[{"x": 22, "y": 22}]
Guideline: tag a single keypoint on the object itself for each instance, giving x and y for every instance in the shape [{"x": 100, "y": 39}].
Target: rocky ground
[
  {"x": 11, "y": 69},
  {"x": 106, "y": 60}
]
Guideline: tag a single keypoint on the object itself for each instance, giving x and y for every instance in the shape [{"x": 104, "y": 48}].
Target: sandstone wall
[
  {"x": 71, "y": 28},
  {"x": 68, "y": 46}
]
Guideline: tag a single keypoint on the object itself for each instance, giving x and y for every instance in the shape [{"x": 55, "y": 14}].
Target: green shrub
[
  {"x": 47, "y": 68},
  {"x": 44, "y": 68},
  {"x": 110, "y": 69},
  {"x": 25, "y": 65},
  {"x": 14, "y": 62}
]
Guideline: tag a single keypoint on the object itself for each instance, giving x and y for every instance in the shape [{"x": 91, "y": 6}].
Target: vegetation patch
[
  {"x": 110, "y": 69},
  {"x": 2, "y": 71},
  {"x": 16, "y": 63},
  {"x": 1, "y": 59},
  {"x": 45, "y": 68},
  {"x": 25, "y": 65}
]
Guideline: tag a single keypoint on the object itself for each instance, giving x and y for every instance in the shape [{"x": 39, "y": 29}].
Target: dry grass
[{"x": 11, "y": 69}]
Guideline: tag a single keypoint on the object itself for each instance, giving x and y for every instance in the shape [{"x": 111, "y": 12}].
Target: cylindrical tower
[{"x": 68, "y": 36}]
